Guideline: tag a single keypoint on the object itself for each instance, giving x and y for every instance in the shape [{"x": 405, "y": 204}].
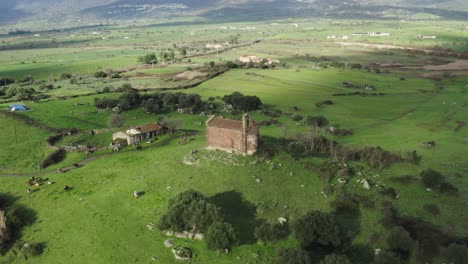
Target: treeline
[
  {"x": 242, "y": 102},
  {"x": 157, "y": 103}
]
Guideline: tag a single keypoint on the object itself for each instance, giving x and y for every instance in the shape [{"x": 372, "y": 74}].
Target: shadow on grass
[
  {"x": 240, "y": 213},
  {"x": 18, "y": 216}
]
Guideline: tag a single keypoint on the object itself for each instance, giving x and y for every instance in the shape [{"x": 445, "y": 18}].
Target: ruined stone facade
[
  {"x": 232, "y": 135},
  {"x": 136, "y": 135}
]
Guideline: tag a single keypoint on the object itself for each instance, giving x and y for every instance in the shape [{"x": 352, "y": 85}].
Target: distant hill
[{"x": 134, "y": 9}]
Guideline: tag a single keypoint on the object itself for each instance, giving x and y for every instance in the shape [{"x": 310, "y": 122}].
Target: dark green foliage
[
  {"x": 456, "y": 254},
  {"x": 100, "y": 74},
  {"x": 318, "y": 229},
  {"x": 160, "y": 103},
  {"x": 271, "y": 232},
  {"x": 297, "y": 118},
  {"x": 386, "y": 258},
  {"x": 326, "y": 102},
  {"x": 432, "y": 209},
  {"x": 20, "y": 93},
  {"x": 221, "y": 235},
  {"x": 428, "y": 249},
  {"x": 241, "y": 102},
  {"x": 316, "y": 121},
  {"x": 293, "y": 256},
  {"x": 190, "y": 210},
  {"x": 148, "y": 59},
  {"x": 296, "y": 149},
  {"x": 399, "y": 241},
  {"x": 27, "y": 250},
  {"x": 105, "y": 103},
  {"x": 54, "y": 158},
  {"x": 356, "y": 66},
  {"x": 46, "y": 87},
  {"x": 231, "y": 65},
  {"x": 4, "y": 81},
  {"x": 432, "y": 178},
  {"x": 435, "y": 180},
  {"x": 65, "y": 76},
  {"x": 335, "y": 259},
  {"x": 129, "y": 100}
]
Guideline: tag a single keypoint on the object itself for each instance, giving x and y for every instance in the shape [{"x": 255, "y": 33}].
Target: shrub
[
  {"x": 221, "y": 236},
  {"x": 335, "y": 259},
  {"x": 241, "y": 102},
  {"x": 428, "y": 249},
  {"x": 432, "y": 209},
  {"x": 190, "y": 210},
  {"x": 456, "y": 254},
  {"x": 432, "y": 178},
  {"x": 148, "y": 59},
  {"x": 116, "y": 120},
  {"x": 100, "y": 74},
  {"x": 386, "y": 258},
  {"x": 27, "y": 250},
  {"x": 399, "y": 241},
  {"x": 316, "y": 121},
  {"x": 318, "y": 229},
  {"x": 105, "y": 103},
  {"x": 271, "y": 232},
  {"x": 65, "y": 76},
  {"x": 293, "y": 256}
]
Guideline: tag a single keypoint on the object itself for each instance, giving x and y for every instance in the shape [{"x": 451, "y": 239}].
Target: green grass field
[{"x": 99, "y": 220}]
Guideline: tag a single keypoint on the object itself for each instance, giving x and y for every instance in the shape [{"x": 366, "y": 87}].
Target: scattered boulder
[
  {"x": 169, "y": 243},
  {"x": 182, "y": 253},
  {"x": 282, "y": 220},
  {"x": 342, "y": 181},
  {"x": 150, "y": 226},
  {"x": 198, "y": 236},
  {"x": 365, "y": 184}
]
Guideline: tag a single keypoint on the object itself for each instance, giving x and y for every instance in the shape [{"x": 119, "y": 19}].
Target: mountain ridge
[{"x": 134, "y": 9}]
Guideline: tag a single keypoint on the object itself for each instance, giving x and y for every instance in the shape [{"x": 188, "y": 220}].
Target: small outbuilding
[
  {"x": 138, "y": 134},
  {"x": 17, "y": 107}
]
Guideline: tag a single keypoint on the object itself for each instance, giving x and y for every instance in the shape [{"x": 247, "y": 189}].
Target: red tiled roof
[
  {"x": 148, "y": 128},
  {"x": 231, "y": 124}
]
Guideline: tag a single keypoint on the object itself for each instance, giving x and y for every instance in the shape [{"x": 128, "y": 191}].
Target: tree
[
  {"x": 116, "y": 120},
  {"x": 221, "y": 236},
  {"x": 150, "y": 58},
  {"x": 100, "y": 74},
  {"x": 293, "y": 256},
  {"x": 456, "y": 254},
  {"x": 318, "y": 229},
  {"x": 171, "y": 124},
  {"x": 271, "y": 232},
  {"x": 183, "y": 51},
  {"x": 335, "y": 259},
  {"x": 316, "y": 121},
  {"x": 190, "y": 210},
  {"x": 399, "y": 241},
  {"x": 432, "y": 178},
  {"x": 386, "y": 258}
]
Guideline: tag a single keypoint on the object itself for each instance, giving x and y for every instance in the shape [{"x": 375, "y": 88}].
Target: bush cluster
[
  {"x": 190, "y": 211},
  {"x": 242, "y": 102}
]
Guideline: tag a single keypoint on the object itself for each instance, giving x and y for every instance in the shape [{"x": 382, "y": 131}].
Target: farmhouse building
[
  {"x": 232, "y": 135},
  {"x": 258, "y": 60},
  {"x": 137, "y": 134}
]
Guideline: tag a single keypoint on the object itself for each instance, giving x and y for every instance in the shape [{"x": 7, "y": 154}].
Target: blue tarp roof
[{"x": 19, "y": 107}]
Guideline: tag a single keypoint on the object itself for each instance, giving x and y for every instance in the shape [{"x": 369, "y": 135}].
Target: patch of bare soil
[
  {"x": 453, "y": 66},
  {"x": 192, "y": 75}
]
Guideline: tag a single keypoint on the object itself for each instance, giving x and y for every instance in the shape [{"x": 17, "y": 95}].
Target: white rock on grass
[{"x": 169, "y": 243}]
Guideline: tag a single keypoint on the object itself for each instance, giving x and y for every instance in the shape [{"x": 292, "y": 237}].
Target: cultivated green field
[{"x": 99, "y": 221}]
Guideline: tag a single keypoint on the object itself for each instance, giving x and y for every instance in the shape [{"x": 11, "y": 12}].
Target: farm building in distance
[
  {"x": 232, "y": 135},
  {"x": 258, "y": 60},
  {"x": 136, "y": 135}
]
